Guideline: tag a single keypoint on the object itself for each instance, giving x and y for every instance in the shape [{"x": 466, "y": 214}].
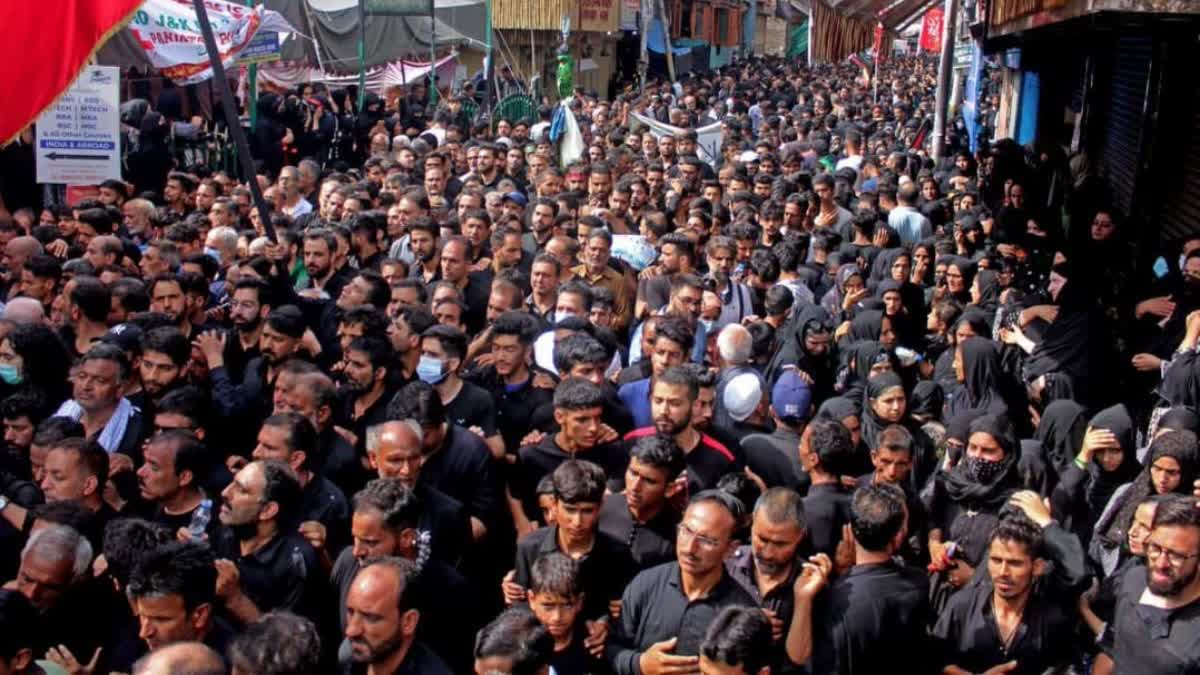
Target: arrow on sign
[{"x": 55, "y": 155}]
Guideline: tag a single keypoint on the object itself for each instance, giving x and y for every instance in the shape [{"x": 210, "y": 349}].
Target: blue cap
[
  {"x": 791, "y": 397},
  {"x": 516, "y": 197}
]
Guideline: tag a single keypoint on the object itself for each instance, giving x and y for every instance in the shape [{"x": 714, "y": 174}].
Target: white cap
[
  {"x": 742, "y": 396},
  {"x": 748, "y": 156}
]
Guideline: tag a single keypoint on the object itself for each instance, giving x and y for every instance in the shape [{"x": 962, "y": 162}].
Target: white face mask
[{"x": 560, "y": 316}]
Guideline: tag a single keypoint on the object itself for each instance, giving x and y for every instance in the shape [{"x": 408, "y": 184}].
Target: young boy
[{"x": 556, "y": 598}]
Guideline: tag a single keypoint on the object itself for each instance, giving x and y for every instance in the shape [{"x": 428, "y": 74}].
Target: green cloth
[{"x": 299, "y": 275}]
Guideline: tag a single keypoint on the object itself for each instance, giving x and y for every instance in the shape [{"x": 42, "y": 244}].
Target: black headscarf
[
  {"x": 1180, "y": 419},
  {"x": 1068, "y": 344},
  {"x": 859, "y": 359},
  {"x": 981, "y": 388},
  {"x": 877, "y": 385},
  {"x": 1104, "y": 483},
  {"x": 1111, "y": 530},
  {"x": 967, "y": 268},
  {"x": 837, "y": 409},
  {"x": 1060, "y": 432},
  {"x": 866, "y": 325},
  {"x": 963, "y": 487},
  {"x": 926, "y": 400},
  {"x": 808, "y": 319},
  {"x": 1181, "y": 383},
  {"x": 989, "y": 290}
]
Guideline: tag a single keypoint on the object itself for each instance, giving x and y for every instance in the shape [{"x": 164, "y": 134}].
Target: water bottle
[
  {"x": 200, "y": 518},
  {"x": 907, "y": 357}
]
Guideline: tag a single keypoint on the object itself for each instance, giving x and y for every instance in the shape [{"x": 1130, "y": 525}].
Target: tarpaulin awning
[
  {"x": 656, "y": 40},
  {"x": 378, "y": 79}
]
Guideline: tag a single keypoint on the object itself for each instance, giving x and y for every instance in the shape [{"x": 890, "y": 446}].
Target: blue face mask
[
  {"x": 708, "y": 325},
  {"x": 10, "y": 374},
  {"x": 429, "y": 370}
]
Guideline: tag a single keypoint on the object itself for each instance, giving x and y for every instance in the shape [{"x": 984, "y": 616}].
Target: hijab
[
  {"x": 872, "y": 424},
  {"x": 867, "y": 325},
  {"x": 967, "y": 269},
  {"x": 980, "y": 388},
  {"x": 1103, "y": 483},
  {"x": 1181, "y": 383},
  {"x": 1178, "y": 445},
  {"x": 859, "y": 359},
  {"x": 989, "y": 290},
  {"x": 1060, "y": 432},
  {"x": 1180, "y": 419},
  {"x": 837, "y": 409},
  {"x": 832, "y": 301},
  {"x": 926, "y": 400},
  {"x": 981, "y": 483}
]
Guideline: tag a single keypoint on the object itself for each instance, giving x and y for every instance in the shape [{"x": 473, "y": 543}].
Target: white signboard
[{"x": 79, "y": 138}]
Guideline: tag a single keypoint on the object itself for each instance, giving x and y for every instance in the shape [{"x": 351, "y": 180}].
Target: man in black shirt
[
  {"x": 443, "y": 349},
  {"x": 262, "y": 565},
  {"x": 892, "y": 458},
  {"x": 876, "y": 610},
  {"x": 767, "y": 567},
  {"x": 365, "y": 384},
  {"x": 168, "y": 479},
  {"x": 642, "y": 516},
  {"x": 1015, "y": 616},
  {"x": 315, "y": 397},
  {"x": 578, "y": 409},
  {"x": 826, "y": 452},
  {"x": 324, "y": 514},
  {"x": 772, "y": 456},
  {"x": 738, "y": 641},
  {"x": 604, "y": 563},
  {"x": 1156, "y": 625},
  {"x": 381, "y": 622},
  {"x": 666, "y": 610},
  {"x": 509, "y": 377},
  {"x": 173, "y": 592}
]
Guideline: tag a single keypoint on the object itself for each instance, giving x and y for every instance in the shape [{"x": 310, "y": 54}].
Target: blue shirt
[
  {"x": 910, "y": 225},
  {"x": 636, "y": 396}
]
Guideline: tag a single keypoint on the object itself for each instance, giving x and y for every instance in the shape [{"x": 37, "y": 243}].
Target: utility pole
[
  {"x": 666, "y": 24},
  {"x": 487, "y": 61},
  {"x": 231, "y": 118},
  {"x": 362, "y": 53},
  {"x": 949, "y": 21},
  {"x": 647, "y": 18},
  {"x": 252, "y": 88}
]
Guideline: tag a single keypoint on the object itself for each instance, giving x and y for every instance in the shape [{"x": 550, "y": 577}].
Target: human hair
[
  {"x": 187, "y": 401},
  {"x": 57, "y": 543},
  {"x": 371, "y": 318},
  {"x": 170, "y": 342},
  {"x": 576, "y": 349},
  {"x": 397, "y": 505},
  {"x": 190, "y": 454},
  {"x": 419, "y": 402},
  {"x": 721, "y": 498},
  {"x": 1177, "y": 511},
  {"x": 576, "y": 393},
  {"x": 406, "y": 571},
  {"x": 517, "y": 324},
  {"x": 19, "y": 623},
  {"x": 380, "y": 293},
  {"x": 301, "y": 434},
  {"x": 92, "y": 297},
  {"x": 661, "y": 452},
  {"x": 679, "y": 376},
  {"x": 322, "y": 234},
  {"x": 44, "y": 266},
  {"x": 418, "y": 318},
  {"x": 782, "y": 505},
  {"x": 279, "y": 643},
  {"x": 281, "y": 486},
  {"x": 578, "y": 287},
  {"x": 677, "y": 330},
  {"x": 103, "y": 351},
  {"x": 185, "y": 569},
  {"x": 517, "y": 636},
  {"x": 45, "y": 359},
  {"x": 555, "y": 573},
  {"x": 52, "y": 431},
  {"x": 27, "y": 403},
  {"x": 128, "y": 541},
  {"x": 877, "y": 515},
  {"x": 452, "y": 340},
  {"x": 735, "y": 344},
  {"x": 91, "y": 456},
  {"x": 578, "y": 481},
  {"x": 832, "y": 444},
  {"x": 739, "y": 636},
  {"x": 896, "y": 438},
  {"x": 1019, "y": 529},
  {"x": 287, "y": 320}
]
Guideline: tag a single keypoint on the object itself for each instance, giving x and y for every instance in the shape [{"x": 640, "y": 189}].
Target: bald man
[
  {"x": 194, "y": 658},
  {"x": 16, "y": 252},
  {"x": 23, "y": 311},
  {"x": 381, "y": 621}
]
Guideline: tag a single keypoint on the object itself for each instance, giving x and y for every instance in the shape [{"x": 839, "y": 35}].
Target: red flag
[
  {"x": 49, "y": 42},
  {"x": 878, "y": 44},
  {"x": 931, "y": 31}
]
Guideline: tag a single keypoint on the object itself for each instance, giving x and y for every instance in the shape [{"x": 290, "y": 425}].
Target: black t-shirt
[
  {"x": 473, "y": 407},
  {"x": 575, "y": 659}
]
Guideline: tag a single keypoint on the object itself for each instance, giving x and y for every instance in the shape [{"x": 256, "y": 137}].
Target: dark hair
[
  {"x": 302, "y": 435},
  {"x": 783, "y": 505},
  {"x": 279, "y": 643},
  {"x": 578, "y": 481},
  {"x": 578, "y": 287},
  {"x": 452, "y": 340},
  {"x": 576, "y": 393},
  {"x": 877, "y": 515},
  {"x": 723, "y": 499},
  {"x": 397, "y": 504},
  {"x": 281, "y": 486},
  {"x": 1177, "y": 511},
  {"x": 1018, "y": 528},
  {"x": 518, "y": 636},
  {"x": 190, "y": 454},
  {"x": 54, "y": 430},
  {"x": 170, "y": 342},
  {"x": 555, "y": 573},
  {"x": 661, "y": 452},
  {"x": 287, "y": 320},
  {"x": 896, "y": 438},
  {"x": 187, "y": 401},
  {"x": 380, "y": 293},
  {"x": 261, "y": 288},
  {"x": 45, "y": 358},
  {"x": 405, "y": 569},
  {"x": 185, "y": 569},
  {"x": 127, "y": 541},
  {"x": 677, "y": 330},
  {"x": 832, "y": 444},
  {"x": 578, "y": 348},
  {"x": 519, "y": 324},
  {"x": 739, "y": 636},
  {"x": 23, "y": 403},
  {"x": 419, "y": 402},
  {"x": 92, "y": 298},
  {"x": 92, "y": 457},
  {"x": 680, "y": 376},
  {"x": 19, "y": 623},
  {"x": 102, "y": 351},
  {"x": 377, "y": 349},
  {"x": 741, "y": 488}
]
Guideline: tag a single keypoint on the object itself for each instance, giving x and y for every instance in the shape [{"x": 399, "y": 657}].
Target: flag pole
[{"x": 232, "y": 120}]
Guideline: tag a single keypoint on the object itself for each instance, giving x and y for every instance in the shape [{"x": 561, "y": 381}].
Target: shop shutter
[
  {"x": 1127, "y": 104},
  {"x": 1181, "y": 216}
]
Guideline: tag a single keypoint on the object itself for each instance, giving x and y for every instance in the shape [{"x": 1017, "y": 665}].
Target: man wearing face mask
[
  {"x": 467, "y": 405},
  {"x": 737, "y": 302}
]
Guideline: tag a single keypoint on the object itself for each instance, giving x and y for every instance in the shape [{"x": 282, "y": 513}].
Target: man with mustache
[
  {"x": 381, "y": 622},
  {"x": 767, "y": 567}
]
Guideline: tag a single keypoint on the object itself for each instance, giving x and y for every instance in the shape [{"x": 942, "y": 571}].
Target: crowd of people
[{"x": 858, "y": 410}]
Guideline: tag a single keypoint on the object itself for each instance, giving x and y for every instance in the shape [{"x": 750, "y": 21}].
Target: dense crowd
[{"x": 813, "y": 403}]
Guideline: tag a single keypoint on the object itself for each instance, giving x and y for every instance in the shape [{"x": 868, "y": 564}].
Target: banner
[
  {"x": 564, "y": 130},
  {"x": 42, "y": 56},
  {"x": 878, "y": 43},
  {"x": 708, "y": 138},
  {"x": 170, "y": 34},
  {"x": 931, "y": 31},
  {"x": 78, "y": 140}
]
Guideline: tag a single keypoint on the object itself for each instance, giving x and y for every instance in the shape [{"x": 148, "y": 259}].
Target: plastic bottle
[{"x": 200, "y": 519}]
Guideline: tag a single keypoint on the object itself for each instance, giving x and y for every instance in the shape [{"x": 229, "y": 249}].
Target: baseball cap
[
  {"x": 748, "y": 157},
  {"x": 791, "y": 397},
  {"x": 516, "y": 197},
  {"x": 742, "y": 396},
  {"x": 125, "y": 336}
]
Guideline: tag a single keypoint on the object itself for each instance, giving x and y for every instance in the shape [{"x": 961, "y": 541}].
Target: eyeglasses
[
  {"x": 686, "y": 533},
  {"x": 1177, "y": 559}
]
